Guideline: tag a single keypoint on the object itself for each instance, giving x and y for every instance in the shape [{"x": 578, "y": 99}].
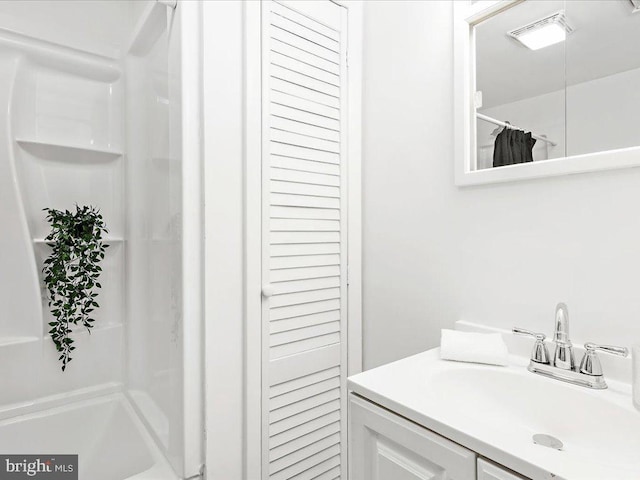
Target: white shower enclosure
[{"x": 97, "y": 110}]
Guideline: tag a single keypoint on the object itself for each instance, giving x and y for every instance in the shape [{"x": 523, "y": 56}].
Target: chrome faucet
[
  {"x": 563, "y": 357},
  {"x": 563, "y": 366}
]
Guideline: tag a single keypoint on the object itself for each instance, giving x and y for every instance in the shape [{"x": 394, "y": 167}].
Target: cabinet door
[
  {"x": 384, "y": 446},
  {"x": 491, "y": 471}
]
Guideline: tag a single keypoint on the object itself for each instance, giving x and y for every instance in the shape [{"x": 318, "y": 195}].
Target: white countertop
[{"x": 496, "y": 410}]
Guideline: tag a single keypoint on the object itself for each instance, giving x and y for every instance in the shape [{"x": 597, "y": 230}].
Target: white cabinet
[
  {"x": 490, "y": 471},
  {"x": 385, "y": 446}
]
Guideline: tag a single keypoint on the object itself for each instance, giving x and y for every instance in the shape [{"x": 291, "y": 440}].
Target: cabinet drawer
[
  {"x": 491, "y": 471},
  {"x": 385, "y": 446}
]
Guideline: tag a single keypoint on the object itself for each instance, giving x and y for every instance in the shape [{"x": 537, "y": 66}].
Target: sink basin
[
  {"x": 497, "y": 410},
  {"x": 586, "y": 422}
]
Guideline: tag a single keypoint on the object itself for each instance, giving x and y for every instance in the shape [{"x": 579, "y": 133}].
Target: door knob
[{"x": 267, "y": 290}]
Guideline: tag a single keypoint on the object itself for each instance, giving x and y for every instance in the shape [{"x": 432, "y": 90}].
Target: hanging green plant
[{"x": 71, "y": 272}]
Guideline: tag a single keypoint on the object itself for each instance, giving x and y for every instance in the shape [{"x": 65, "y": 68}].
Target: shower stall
[{"x": 98, "y": 109}]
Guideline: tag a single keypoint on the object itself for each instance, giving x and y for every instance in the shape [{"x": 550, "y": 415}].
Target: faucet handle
[
  {"x": 528, "y": 333},
  {"x": 539, "y": 354},
  {"x": 621, "y": 351},
  {"x": 590, "y": 364}
]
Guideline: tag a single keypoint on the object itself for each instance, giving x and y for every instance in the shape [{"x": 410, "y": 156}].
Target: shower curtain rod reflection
[{"x": 542, "y": 138}]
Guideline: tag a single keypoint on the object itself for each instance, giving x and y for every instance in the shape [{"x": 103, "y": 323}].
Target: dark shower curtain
[{"x": 512, "y": 147}]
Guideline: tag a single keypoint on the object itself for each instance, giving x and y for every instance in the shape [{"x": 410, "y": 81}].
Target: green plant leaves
[{"x": 71, "y": 272}]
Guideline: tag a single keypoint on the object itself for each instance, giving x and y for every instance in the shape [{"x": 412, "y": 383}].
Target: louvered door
[{"x": 304, "y": 240}]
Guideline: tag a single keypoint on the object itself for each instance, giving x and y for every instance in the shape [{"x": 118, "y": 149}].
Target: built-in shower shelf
[
  {"x": 68, "y": 153},
  {"x": 79, "y": 329},
  {"x": 7, "y": 341},
  {"x": 105, "y": 240}
]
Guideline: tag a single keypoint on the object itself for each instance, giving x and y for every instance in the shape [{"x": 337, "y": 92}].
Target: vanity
[{"x": 425, "y": 418}]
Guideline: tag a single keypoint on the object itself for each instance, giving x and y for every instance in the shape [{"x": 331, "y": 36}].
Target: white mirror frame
[{"x": 466, "y": 16}]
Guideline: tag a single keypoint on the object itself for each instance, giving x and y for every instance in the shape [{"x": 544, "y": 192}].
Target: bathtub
[{"x": 110, "y": 440}]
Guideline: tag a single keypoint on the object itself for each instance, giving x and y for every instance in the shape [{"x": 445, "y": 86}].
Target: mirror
[
  {"x": 550, "y": 80},
  {"x": 519, "y": 86}
]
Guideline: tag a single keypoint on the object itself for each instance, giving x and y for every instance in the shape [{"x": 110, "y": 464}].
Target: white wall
[
  {"x": 223, "y": 96},
  {"x": 503, "y": 255}
]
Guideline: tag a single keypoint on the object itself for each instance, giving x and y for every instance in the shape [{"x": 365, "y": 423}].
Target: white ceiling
[{"x": 606, "y": 40}]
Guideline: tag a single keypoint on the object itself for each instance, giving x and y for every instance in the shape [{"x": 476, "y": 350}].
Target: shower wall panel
[{"x": 62, "y": 135}]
